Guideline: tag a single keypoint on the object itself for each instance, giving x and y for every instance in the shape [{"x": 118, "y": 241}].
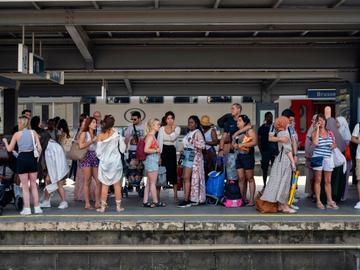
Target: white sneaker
[
  {"x": 63, "y": 205},
  {"x": 293, "y": 206},
  {"x": 37, "y": 210},
  {"x": 357, "y": 206},
  {"x": 25, "y": 212},
  {"x": 45, "y": 204}
]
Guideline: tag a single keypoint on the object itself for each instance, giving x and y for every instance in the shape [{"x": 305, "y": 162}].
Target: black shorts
[
  {"x": 245, "y": 161},
  {"x": 26, "y": 163}
]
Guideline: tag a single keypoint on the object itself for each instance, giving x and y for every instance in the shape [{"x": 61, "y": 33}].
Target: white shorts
[{"x": 327, "y": 165}]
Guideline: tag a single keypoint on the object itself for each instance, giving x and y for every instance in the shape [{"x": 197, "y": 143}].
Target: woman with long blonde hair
[
  {"x": 29, "y": 150},
  {"x": 152, "y": 160}
]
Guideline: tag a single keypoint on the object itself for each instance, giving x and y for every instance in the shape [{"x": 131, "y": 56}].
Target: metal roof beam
[
  {"x": 217, "y": 3},
  {"x": 36, "y": 5},
  {"x": 338, "y": 3},
  {"x": 271, "y": 85},
  {"x": 190, "y": 75},
  {"x": 209, "y": 18},
  {"x": 82, "y": 42},
  {"x": 96, "y": 5},
  {"x": 128, "y": 86},
  {"x": 277, "y": 3}
]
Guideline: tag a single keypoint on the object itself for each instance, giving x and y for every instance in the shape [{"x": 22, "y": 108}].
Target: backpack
[
  {"x": 140, "y": 148},
  {"x": 232, "y": 190},
  {"x": 232, "y": 195},
  {"x": 273, "y": 146}
]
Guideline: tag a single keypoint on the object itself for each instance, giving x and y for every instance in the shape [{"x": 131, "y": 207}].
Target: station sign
[
  {"x": 23, "y": 58},
  {"x": 56, "y": 76},
  {"x": 322, "y": 93},
  {"x": 36, "y": 65}
]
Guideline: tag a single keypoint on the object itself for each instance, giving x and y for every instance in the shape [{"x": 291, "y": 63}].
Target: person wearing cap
[{"x": 211, "y": 141}]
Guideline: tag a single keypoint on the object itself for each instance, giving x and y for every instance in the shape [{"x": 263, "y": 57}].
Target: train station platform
[{"x": 201, "y": 237}]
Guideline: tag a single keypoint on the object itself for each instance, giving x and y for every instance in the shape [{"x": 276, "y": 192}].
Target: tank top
[
  {"x": 323, "y": 148},
  {"x": 154, "y": 144},
  {"x": 25, "y": 143},
  {"x": 167, "y": 139},
  {"x": 208, "y": 138},
  {"x": 92, "y": 147},
  {"x": 240, "y": 140}
]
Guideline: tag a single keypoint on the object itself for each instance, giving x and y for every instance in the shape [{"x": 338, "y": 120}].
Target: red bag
[
  {"x": 179, "y": 178},
  {"x": 348, "y": 153},
  {"x": 140, "y": 150}
]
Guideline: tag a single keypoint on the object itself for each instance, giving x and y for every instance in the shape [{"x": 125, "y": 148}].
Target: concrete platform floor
[{"x": 135, "y": 212}]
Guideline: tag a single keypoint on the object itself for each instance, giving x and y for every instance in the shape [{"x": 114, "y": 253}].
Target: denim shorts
[
  {"x": 327, "y": 165},
  {"x": 152, "y": 163},
  {"x": 189, "y": 156}
]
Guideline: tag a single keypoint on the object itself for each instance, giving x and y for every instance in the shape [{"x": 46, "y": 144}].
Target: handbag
[
  {"x": 316, "y": 162},
  {"x": 161, "y": 180},
  {"x": 76, "y": 153},
  {"x": 36, "y": 152}
]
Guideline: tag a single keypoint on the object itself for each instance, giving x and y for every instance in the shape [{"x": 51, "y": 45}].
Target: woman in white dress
[
  {"x": 56, "y": 167},
  {"x": 109, "y": 145}
]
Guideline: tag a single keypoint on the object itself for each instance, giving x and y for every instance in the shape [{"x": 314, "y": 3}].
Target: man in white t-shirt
[
  {"x": 355, "y": 138},
  {"x": 134, "y": 133}
]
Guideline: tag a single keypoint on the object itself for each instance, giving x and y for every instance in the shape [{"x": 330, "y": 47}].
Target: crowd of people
[{"x": 98, "y": 157}]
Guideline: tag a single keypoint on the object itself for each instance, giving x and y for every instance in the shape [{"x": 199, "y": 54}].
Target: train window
[
  {"x": 151, "y": 99},
  {"x": 219, "y": 99},
  {"x": 303, "y": 119},
  {"x": 118, "y": 100},
  {"x": 190, "y": 100}
]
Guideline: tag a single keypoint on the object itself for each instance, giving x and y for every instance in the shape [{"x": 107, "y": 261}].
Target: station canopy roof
[{"x": 180, "y": 47}]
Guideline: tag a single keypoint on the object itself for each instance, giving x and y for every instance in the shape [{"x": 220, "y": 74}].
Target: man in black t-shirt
[{"x": 267, "y": 149}]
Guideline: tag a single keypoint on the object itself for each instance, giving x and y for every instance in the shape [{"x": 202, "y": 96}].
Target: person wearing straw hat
[{"x": 211, "y": 141}]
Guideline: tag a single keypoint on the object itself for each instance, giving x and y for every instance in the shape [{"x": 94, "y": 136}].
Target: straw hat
[{"x": 205, "y": 121}]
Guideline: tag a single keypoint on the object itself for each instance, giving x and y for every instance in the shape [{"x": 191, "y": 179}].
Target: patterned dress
[
  {"x": 278, "y": 187},
  {"x": 198, "y": 193}
]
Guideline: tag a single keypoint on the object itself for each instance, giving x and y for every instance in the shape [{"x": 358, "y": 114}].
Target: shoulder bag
[{"x": 76, "y": 153}]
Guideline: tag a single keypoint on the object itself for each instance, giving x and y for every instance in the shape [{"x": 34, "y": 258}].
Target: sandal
[
  {"x": 320, "y": 206},
  {"x": 102, "y": 207},
  {"x": 118, "y": 206},
  {"x": 289, "y": 211},
  {"x": 88, "y": 207},
  {"x": 250, "y": 204},
  {"x": 332, "y": 206},
  {"x": 148, "y": 205},
  {"x": 160, "y": 204}
]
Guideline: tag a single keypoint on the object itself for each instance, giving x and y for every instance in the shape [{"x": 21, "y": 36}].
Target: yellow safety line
[{"x": 182, "y": 215}]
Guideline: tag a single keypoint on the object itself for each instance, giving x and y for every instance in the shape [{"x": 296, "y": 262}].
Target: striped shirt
[{"x": 323, "y": 149}]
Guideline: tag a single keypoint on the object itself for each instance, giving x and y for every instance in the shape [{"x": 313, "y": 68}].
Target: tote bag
[{"x": 76, "y": 153}]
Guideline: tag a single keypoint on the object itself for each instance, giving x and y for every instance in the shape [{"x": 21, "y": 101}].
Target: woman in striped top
[{"x": 324, "y": 144}]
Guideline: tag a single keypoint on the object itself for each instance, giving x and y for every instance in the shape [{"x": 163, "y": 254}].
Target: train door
[{"x": 303, "y": 114}]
